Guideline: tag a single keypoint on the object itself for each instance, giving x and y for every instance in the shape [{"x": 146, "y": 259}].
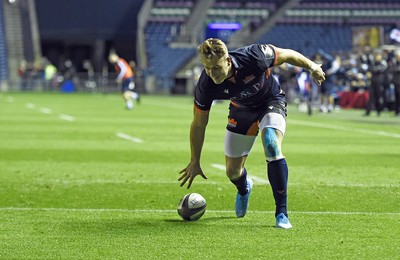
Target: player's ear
[{"x": 229, "y": 60}]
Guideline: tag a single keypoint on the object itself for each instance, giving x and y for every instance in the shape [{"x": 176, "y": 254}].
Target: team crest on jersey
[{"x": 232, "y": 122}]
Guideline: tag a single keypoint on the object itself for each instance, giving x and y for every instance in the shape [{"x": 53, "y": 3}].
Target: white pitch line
[
  {"x": 347, "y": 129},
  {"x": 263, "y": 181},
  {"x": 45, "y": 110},
  {"x": 129, "y": 138},
  {"x": 106, "y": 181},
  {"x": 218, "y": 166},
  {"x": 258, "y": 180},
  {"x": 67, "y": 117},
  {"x": 30, "y": 106},
  {"x": 207, "y": 182},
  {"x": 10, "y": 99},
  {"x": 212, "y": 211}
]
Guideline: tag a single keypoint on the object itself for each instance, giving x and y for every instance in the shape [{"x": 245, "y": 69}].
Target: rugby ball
[{"x": 192, "y": 207}]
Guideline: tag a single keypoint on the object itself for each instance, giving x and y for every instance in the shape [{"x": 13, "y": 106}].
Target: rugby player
[
  {"x": 125, "y": 78},
  {"x": 257, "y": 104}
]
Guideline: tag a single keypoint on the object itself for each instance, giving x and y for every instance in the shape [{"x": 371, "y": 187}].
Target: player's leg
[
  {"x": 273, "y": 127},
  {"x": 127, "y": 94},
  {"x": 237, "y": 148},
  {"x": 134, "y": 95},
  {"x": 240, "y": 136},
  {"x": 128, "y": 99}
]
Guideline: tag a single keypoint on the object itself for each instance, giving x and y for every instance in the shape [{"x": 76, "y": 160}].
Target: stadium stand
[
  {"x": 163, "y": 25},
  {"x": 164, "y": 61},
  {"x": 3, "y": 48},
  {"x": 168, "y": 21},
  {"x": 309, "y": 38}
]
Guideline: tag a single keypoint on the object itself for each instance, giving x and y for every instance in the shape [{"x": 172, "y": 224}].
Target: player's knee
[
  {"x": 127, "y": 94},
  {"x": 271, "y": 145}
]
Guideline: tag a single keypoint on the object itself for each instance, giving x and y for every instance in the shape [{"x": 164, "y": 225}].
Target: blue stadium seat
[
  {"x": 163, "y": 61},
  {"x": 3, "y": 47},
  {"x": 309, "y": 38}
]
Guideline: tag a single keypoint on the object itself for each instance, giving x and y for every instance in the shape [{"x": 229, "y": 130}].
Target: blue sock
[
  {"x": 278, "y": 178},
  {"x": 241, "y": 183}
]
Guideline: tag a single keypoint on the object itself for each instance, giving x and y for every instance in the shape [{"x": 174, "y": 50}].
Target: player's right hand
[{"x": 189, "y": 173}]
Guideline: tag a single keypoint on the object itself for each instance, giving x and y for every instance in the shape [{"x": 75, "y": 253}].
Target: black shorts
[
  {"x": 243, "y": 120},
  {"x": 127, "y": 85}
]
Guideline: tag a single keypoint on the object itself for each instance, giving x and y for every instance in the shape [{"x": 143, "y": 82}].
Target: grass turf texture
[{"x": 72, "y": 188}]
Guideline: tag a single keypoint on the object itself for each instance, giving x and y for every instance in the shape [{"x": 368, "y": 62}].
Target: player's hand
[
  {"x": 318, "y": 75},
  {"x": 119, "y": 81},
  {"x": 189, "y": 173}
]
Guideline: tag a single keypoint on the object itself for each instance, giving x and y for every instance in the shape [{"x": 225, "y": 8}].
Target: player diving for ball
[{"x": 257, "y": 104}]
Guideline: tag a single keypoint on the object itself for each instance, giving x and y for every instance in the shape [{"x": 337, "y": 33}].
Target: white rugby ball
[{"x": 192, "y": 206}]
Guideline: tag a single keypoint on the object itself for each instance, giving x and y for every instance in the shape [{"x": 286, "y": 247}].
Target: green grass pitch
[{"x": 83, "y": 178}]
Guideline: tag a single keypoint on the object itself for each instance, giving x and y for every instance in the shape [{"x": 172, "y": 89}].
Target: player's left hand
[{"x": 318, "y": 75}]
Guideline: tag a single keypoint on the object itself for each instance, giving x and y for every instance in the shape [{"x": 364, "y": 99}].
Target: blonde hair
[
  {"x": 113, "y": 57},
  {"x": 212, "y": 48}
]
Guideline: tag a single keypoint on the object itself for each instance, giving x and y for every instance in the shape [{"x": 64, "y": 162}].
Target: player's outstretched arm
[
  {"x": 197, "y": 134},
  {"x": 297, "y": 59}
]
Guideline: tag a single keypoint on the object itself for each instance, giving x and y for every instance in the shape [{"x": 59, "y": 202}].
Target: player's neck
[{"x": 231, "y": 75}]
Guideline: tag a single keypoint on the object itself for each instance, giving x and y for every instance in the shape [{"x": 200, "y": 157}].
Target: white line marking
[
  {"x": 206, "y": 182},
  {"x": 67, "y": 117},
  {"x": 10, "y": 99},
  {"x": 129, "y": 138},
  {"x": 45, "y": 110},
  {"x": 347, "y": 129},
  {"x": 351, "y": 185},
  {"x": 262, "y": 181},
  {"x": 258, "y": 180},
  {"x": 218, "y": 166},
  {"x": 30, "y": 106},
  {"x": 212, "y": 211},
  {"x": 107, "y": 181}
]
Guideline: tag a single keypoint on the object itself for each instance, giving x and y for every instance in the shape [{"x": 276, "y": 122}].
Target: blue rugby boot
[
  {"x": 242, "y": 202},
  {"x": 282, "y": 221}
]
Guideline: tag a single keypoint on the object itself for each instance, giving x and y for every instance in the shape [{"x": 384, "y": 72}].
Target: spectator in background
[
  {"x": 327, "y": 96},
  {"x": 378, "y": 70},
  {"x": 125, "y": 79},
  {"x": 23, "y": 73},
  {"x": 50, "y": 74}
]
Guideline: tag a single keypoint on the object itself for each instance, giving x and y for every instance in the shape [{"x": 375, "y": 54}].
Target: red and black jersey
[{"x": 253, "y": 86}]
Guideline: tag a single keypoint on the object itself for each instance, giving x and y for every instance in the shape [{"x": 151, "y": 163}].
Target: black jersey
[{"x": 253, "y": 86}]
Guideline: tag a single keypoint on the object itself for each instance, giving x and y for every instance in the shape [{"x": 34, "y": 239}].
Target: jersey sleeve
[
  {"x": 202, "y": 98},
  {"x": 122, "y": 69},
  {"x": 268, "y": 55}
]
